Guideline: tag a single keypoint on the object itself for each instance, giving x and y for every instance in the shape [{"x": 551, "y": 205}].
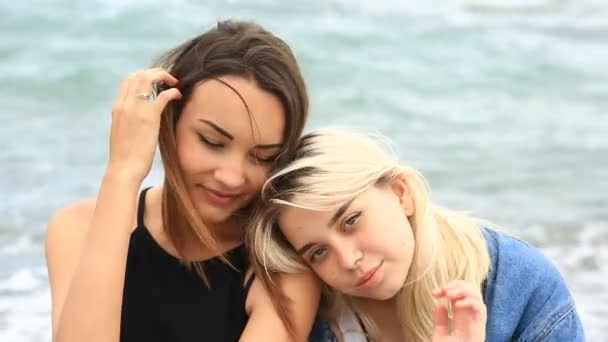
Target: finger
[
  {"x": 157, "y": 75},
  {"x": 441, "y": 326},
  {"x": 461, "y": 284},
  {"x": 123, "y": 90},
  {"x": 439, "y": 292},
  {"x": 469, "y": 307},
  {"x": 458, "y": 284},
  {"x": 457, "y": 292},
  {"x": 468, "y": 303},
  {"x": 165, "y": 96},
  {"x": 148, "y": 78},
  {"x": 126, "y": 85}
]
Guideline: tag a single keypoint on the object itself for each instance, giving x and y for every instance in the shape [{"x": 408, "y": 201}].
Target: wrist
[{"x": 122, "y": 177}]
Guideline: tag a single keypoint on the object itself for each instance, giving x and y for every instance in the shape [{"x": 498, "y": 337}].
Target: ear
[{"x": 401, "y": 187}]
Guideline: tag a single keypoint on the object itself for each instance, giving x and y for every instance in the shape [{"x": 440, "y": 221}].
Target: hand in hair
[
  {"x": 136, "y": 122},
  {"x": 468, "y": 321}
]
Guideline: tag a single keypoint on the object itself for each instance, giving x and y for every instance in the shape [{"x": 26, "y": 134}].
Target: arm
[
  {"x": 87, "y": 245},
  {"x": 528, "y": 299},
  {"x": 551, "y": 313},
  {"x": 86, "y": 251},
  {"x": 567, "y": 328},
  {"x": 264, "y": 323}
]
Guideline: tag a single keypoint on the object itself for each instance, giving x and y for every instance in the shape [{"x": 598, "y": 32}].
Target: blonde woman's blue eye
[
  {"x": 317, "y": 253},
  {"x": 353, "y": 219}
]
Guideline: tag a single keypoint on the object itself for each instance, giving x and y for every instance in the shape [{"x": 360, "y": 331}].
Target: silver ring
[{"x": 143, "y": 96}]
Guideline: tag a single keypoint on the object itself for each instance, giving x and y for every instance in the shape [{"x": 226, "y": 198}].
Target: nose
[
  {"x": 348, "y": 254},
  {"x": 231, "y": 172}
]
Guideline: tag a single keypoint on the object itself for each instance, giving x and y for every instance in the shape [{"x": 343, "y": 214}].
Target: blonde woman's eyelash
[
  {"x": 312, "y": 254},
  {"x": 354, "y": 217}
]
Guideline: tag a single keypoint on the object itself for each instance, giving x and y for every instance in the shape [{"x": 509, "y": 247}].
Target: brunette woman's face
[{"x": 225, "y": 151}]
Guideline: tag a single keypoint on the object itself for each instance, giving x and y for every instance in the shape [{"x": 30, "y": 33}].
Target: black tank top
[{"x": 164, "y": 301}]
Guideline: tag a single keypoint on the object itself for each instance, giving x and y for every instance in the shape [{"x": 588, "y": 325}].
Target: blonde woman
[{"x": 391, "y": 260}]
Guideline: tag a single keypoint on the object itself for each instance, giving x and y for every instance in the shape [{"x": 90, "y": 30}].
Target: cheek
[
  {"x": 257, "y": 176},
  {"x": 330, "y": 275},
  {"x": 192, "y": 158}
]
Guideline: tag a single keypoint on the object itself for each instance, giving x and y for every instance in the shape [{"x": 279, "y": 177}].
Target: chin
[
  {"x": 386, "y": 293},
  {"x": 212, "y": 215}
]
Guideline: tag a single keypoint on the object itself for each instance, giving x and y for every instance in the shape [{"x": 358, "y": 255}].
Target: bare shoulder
[
  {"x": 301, "y": 288},
  {"x": 70, "y": 221},
  {"x": 303, "y": 291},
  {"x": 66, "y": 232}
]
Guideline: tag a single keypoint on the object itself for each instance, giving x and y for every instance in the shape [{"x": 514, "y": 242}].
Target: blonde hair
[{"x": 332, "y": 166}]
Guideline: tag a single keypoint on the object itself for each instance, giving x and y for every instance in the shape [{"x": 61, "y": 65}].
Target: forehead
[
  {"x": 376, "y": 197},
  {"x": 218, "y": 102},
  {"x": 298, "y": 224},
  {"x": 291, "y": 217}
]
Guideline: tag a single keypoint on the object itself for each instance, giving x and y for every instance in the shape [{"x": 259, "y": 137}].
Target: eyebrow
[
  {"x": 231, "y": 137},
  {"x": 332, "y": 221},
  {"x": 339, "y": 212},
  {"x": 217, "y": 128}
]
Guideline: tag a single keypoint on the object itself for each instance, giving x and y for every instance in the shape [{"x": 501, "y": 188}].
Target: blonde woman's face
[{"x": 363, "y": 248}]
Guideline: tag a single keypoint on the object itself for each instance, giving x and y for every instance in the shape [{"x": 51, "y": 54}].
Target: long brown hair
[{"x": 234, "y": 48}]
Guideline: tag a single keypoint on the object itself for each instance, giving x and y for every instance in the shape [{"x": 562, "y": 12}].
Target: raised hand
[
  {"x": 136, "y": 123},
  {"x": 468, "y": 323}
]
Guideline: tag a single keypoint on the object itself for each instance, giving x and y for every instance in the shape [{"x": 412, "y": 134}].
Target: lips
[
  {"x": 368, "y": 275},
  {"x": 219, "y": 197},
  {"x": 221, "y": 194}
]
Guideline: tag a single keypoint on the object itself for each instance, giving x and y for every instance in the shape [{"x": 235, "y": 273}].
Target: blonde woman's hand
[
  {"x": 136, "y": 123},
  {"x": 468, "y": 323}
]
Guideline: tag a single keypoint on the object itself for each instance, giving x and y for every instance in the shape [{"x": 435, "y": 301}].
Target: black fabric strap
[
  {"x": 248, "y": 283},
  {"x": 141, "y": 207}
]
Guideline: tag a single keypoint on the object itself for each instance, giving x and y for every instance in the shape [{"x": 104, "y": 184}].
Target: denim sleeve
[
  {"x": 566, "y": 327},
  {"x": 550, "y": 313},
  {"x": 527, "y": 298}
]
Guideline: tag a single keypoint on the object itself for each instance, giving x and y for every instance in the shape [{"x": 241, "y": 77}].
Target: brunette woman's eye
[
  {"x": 209, "y": 142},
  {"x": 267, "y": 160}
]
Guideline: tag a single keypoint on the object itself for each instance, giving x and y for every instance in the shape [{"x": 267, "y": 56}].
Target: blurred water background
[{"x": 500, "y": 103}]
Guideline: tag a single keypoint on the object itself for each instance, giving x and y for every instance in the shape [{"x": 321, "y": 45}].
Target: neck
[
  {"x": 385, "y": 316},
  {"x": 379, "y": 307},
  {"x": 228, "y": 234},
  {"x": 228, "y": 231}
]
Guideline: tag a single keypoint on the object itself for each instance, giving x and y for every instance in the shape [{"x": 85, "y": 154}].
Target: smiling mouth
[
  {"x": 218, "y": 197},
  {"x": 369, "y": 275},
  {"x": 221, "y": 194}
]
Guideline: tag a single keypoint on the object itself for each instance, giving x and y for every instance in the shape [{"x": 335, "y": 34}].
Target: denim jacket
[{"x": 526, "y": 297}]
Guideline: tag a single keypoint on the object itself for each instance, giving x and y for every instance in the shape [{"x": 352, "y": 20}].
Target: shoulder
[
  {"x": 301, "y": 288},
  {"x": 525, "y": 288},
  {"x": 70, "y": 221},
  {"x": 66, "y": 231},
  {"x": 513, "y": 256},
  {"x": 302, "y": 291}
]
